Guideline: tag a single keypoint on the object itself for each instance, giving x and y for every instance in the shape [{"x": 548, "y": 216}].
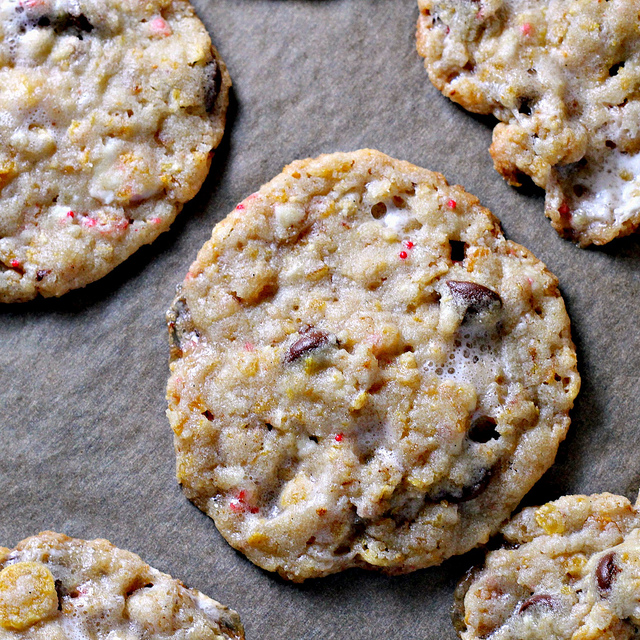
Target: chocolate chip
[
  {"x": 469, "y": 492},
  {"x": 212, "y": 82},
  {"x": 606, "y": 571},
  {"x": 483, "y": 429},
  {"x": 457, "y": 608},
  {"x": 615, "y": 69},
  {"x": 180, "y": 325},
  {"x": 475, "y": 297},
  {"x": 68, "y": 24},
  {"x": 457, "y": 250},
  {"x": 208, "y": 415},
  {"x": 525, "y": 106},
  {"x": 65, "y": 24},
  {"x": 41, "y": 273},
  {"x": 61, "y": 592},
  {"x": 540, "y": 600},
  {"x": 312, "y": 339}
]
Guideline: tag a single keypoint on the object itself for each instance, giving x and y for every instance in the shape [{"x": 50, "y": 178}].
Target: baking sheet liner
[{"x": 86, "y": 448}]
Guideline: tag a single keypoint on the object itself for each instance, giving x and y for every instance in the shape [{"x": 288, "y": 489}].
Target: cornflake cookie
[
  {"x": 56, "y": 588},
  {"x": 569, "y": 569},
  {"x": 364, "y": 371},
  {"x": 562, "y": 76},
  {"x": 109, "y": 111}
]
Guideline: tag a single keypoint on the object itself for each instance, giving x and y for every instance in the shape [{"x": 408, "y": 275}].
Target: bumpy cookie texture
[
  {"x": 562, "y": 76},
  {"x": 109, "y": 112},
  {"x": 57, "y": 588},
  {"x": 364, "y": 371},
  {"x": 569, "y": 570}
]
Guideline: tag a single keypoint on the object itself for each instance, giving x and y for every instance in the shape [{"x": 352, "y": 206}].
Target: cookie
[
  {"x": 364, "y": 371},
  {"x": 109, "y": 112},
  {"x": 561, "y": 77},
  {"x": 53, "y": 587},
  {"x": 569, "y": 570}
]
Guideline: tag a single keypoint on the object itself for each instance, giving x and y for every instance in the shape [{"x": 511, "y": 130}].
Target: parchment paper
[{"x": 86, "y": 448}]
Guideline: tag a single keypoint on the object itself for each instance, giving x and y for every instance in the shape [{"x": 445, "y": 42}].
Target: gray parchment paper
[{"x": 85, "y": 446}]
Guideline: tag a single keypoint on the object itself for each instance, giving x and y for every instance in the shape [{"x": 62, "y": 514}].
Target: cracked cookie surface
[
  {"x": 364, "y": 371},
  {"x": 562, "y": 76},
  {"x": 570, "y": 569},
  {"x": 53, "y": 587},
  {"x": 109, "y": 112}
]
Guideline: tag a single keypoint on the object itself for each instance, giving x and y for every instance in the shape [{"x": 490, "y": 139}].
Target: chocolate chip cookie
[
  {"x": 109, "y": 112},
  {"x": 53, "y": 587},
  {"x": 364, "y": 371},
  {"x": 562, "y": 79},
  {"x": 568, "y": 570}
]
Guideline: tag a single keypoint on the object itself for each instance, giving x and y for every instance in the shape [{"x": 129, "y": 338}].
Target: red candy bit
[
  {"x": 409, "y": 244},
  {"x": 248, "y": 346},
  {"x": 240, "y": 207},
  {"x": 452, "y": 204},
  {"x": 526, "y": 29},
  {"x": 122, "y": 224},
  {"x": 563, "y": 209},
  {"x": 70, "y": 214},
  {"x": 403, "y": 255},
  {"x": 89, "y": 222},
  {"x": 236, "y": 505},
  {"x": 239, "y": 503},
  {"x": 15, "y": 264},
  {"x": 160, "y": 27},
  {"x": 155, "y": 220},
  {"x": 339, "y": 437}
]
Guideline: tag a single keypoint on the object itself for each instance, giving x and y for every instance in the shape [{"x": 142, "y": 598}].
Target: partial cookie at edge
[
  {"x": 53, "y": 586},
  {"x": 561, "y": 77},
  {"x": 111, "y": 112},
  {"x": 568, "y": 570}
]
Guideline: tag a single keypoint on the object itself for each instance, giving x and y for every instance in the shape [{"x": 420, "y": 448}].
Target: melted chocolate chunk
[
  {"x": 61, "y": 592},
  {"x": 180, "y": 325},
  {"x": 312, "y": 339},
  {"x": 41, "y": 274},
  {"x": 213, "y": 80},
  {"x": 64, "y": 24},
  {"x": 606, "y": 572},
  {"x": 540, "y": 600},
  {"x": 483, "y": 429},
  {"x": 457, "y": 608},
  {"x": 476, "y": 297},
  {"x": 469, "y": 492}
]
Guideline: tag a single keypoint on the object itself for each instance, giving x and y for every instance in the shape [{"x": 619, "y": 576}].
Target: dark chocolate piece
[{"x": 312, "y": 339}]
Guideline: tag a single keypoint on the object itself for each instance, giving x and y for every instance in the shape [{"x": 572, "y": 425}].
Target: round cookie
[
  {"x": 561, "y": 76},
  {"x": 53, "y": 587},
  {"x": 569, "y": 570},
  {"x": 109, "y": 112},
  {"x": 364, "y": 371}
]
